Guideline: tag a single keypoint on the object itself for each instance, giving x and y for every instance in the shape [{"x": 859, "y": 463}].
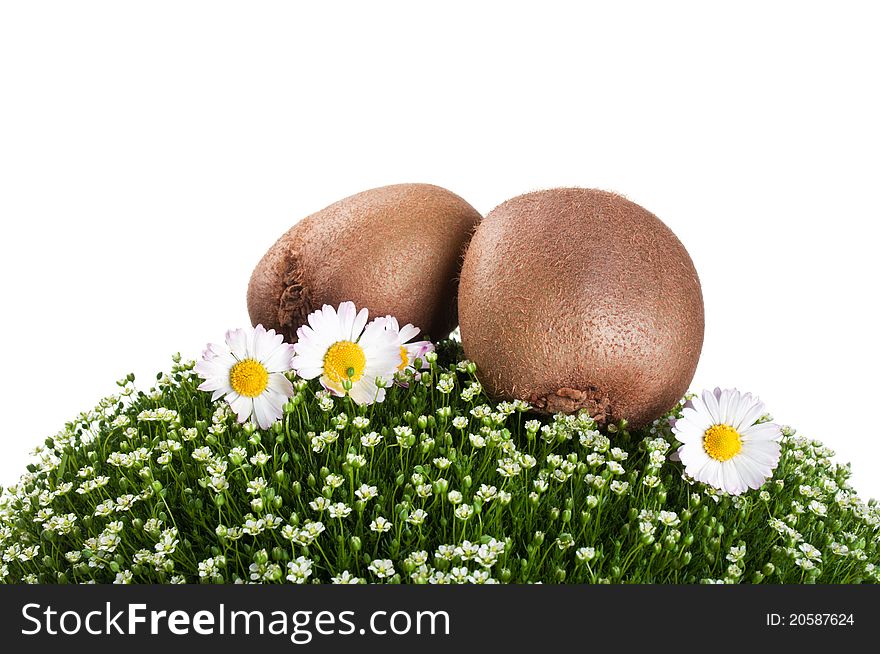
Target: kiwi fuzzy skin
[
  {"x": 576, "y": 298},
  {"x": 395, "y": 249}
]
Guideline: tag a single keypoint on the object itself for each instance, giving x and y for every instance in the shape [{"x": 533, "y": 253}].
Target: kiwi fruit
[
  {"x": 396, "y": 250},
  {"x": 574, "y": 299}
]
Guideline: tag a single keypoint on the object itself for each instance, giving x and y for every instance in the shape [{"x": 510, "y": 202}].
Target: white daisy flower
[
  {"x": 346, "y": 353},
  {"x": 249, "y": 373},
  {"x": 409, "y": 352},
  {"x": 722, "y": 444}
]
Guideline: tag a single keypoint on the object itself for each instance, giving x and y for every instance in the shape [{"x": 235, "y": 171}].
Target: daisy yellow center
[
  {"x": 249, "y": 377},
  {"x": 344, "y": 360},
  {"x": 722, "y": 442},
  {"x": 404, "y": 358}
]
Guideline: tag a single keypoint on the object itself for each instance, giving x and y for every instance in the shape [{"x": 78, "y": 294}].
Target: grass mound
[{"x": 435, "y": 485}]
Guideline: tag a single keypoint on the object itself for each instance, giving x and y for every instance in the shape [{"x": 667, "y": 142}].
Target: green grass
[{"x": 166, "y": 487}]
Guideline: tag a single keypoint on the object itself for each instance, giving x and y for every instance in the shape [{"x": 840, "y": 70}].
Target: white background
[{"x": 151, "y": 152}]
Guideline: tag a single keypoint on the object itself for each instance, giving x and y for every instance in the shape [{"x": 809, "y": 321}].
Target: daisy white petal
[
  {"x": 237, "y": 341},
  {"x": 766, "y": 431},
  {"x": 710, "y": 404},
  {"x": 281, "y": 385},
  {"x": 262, "y": 413},
  {"x": 407, "y": 333},
  {"x": 243, "y": 406},
  {"x": 360, "y": 321},
  {"x": 750, "y": 412}
]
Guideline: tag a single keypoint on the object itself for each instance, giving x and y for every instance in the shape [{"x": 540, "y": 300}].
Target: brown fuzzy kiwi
[
  {"x": 396, "y": 250},
  {"x": 575, "y": 298}
]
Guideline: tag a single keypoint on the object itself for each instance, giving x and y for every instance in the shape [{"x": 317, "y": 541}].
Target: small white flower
[
  {"x": 339, "y": 510},
  {"x": 366, "y": 492},
  {"x": 380, "y": 525},
  {"x": 669, "y": 518},
  {"x": 256, "y": 486},
  {"x": 805, "y": 563},
  {"x": 485, "y": 556},
  {"x": 168, "y": 541},
  {"x": 736, "y": 554},
  {"x": 360, "y": 422},
  {"x": 125, "y": 502},
  {"x": 310, "y": 531},
  {"x": 371, "y": 440},
  {"x": 508, "y": 467},
  {"x": 487, "y": 493},
  {"x": 446, "y": 385},
  {"x": 585, "y": 554},
  {"x": 320, "y": 504},
  {"x": 202, "y": 454},
  {"x": 218, "y": 484},
  {"x": 260, "y": 459},
  {"x": 467, "y": 550},
  {"x": 289, "y": 532},
  {"x": 249, "y": 373},
  {"x": 619, "y": 487},
  {"x": 73, "y": 557},
  {"x": 382, "y": 568},
  {"x": 328, "y": 437},
  {"x": 651, "y": 481},
  {"x": 723, "y": 446},
  {"x": 300, "y": 570},
  {"x": 618, "y": 454},
  {"x": 445, "y": 552},
  {"x": 442, "y": 462},
  {"x": 345, "y": 578},
  {"x": 417, "y": 558},
  {"x": 237, "y": 455},
  {"x": 477, "y": 441},
  {"x": 810, "y": 551},
  {"x": 333, "y": 480},
  {"x": 343, "y": 350},
  {"x": 564, "y": 541},
  {"x": 417, "y": 517},
  {"x": 469, "y": 393},
  {"x": 152, "y": 525},
  {"x": 123, "y": 577},
  {"x": 839, "y": 549},
  {"x": 211, "y": 567},
  {"x": 325, "y": 403},
  {"x": 458, "y": 575},
  {"x": 464, "y": 511}
]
